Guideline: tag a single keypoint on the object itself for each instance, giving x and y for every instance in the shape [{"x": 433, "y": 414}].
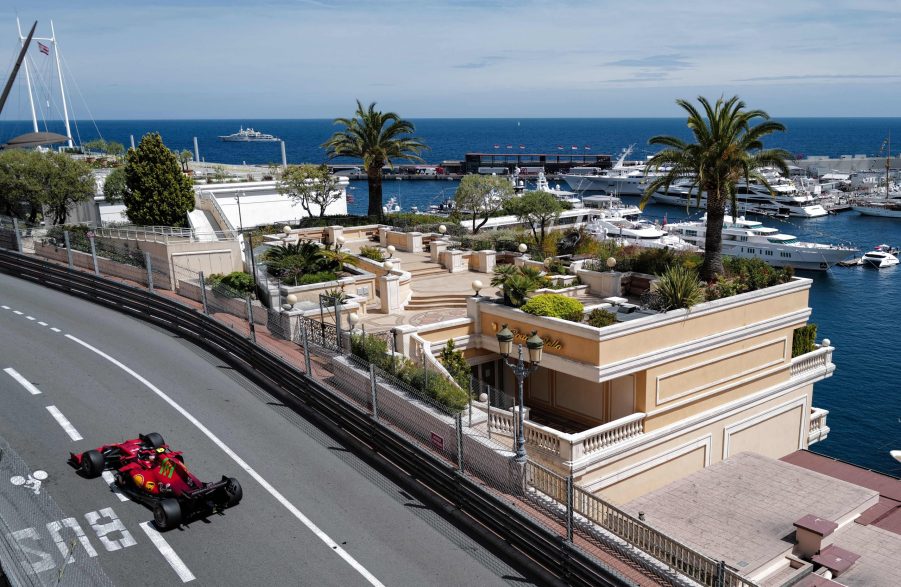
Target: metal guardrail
[{"x": 516, "y": 528}]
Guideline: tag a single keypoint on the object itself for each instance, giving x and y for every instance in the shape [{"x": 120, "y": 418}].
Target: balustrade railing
[
  {"x": 818, "y": 429},
  {"x": 817, "y": 359}
]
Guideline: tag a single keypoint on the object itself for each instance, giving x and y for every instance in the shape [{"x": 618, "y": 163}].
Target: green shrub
[
  {"x": 371, "y": 349},
  {"x": 555, "y": 306},
  {"x": 600, "y": 317},
  {"x": 374, "y": 253},
  {"x": 679, "y": 287},
  {"x": 434, "y": 386},
  {"x": 804, "y": 340},
  {"x": 455, "y": 363},
  {"x": 239, "y": 281},
  {"x": 317, "y": 277}
]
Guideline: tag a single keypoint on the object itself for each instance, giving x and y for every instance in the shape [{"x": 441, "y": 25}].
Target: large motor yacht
[
  {"x": 752, "y": 198},
  {"x": 752, "y": 240},
  {"x": 248, "y": 135},
  {"x": 621, "y": 179},
  {"x": 881, "y": 256}
]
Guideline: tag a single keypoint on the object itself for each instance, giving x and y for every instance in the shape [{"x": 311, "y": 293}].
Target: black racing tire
[
  {"x": 154, "y": 439},
  {"x": 167, "y": 514},
  {"x": 233, "y": 492},
  {"x": 93, "y": 463}
]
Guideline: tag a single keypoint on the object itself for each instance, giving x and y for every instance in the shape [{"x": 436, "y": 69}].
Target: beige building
[{"x": 633, "y": 406}]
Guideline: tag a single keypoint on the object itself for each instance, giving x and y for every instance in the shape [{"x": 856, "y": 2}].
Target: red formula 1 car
[{"x": 148, "y": 471}]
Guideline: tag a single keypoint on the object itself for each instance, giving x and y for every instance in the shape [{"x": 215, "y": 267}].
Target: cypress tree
[{"x": 157, "y": 192}]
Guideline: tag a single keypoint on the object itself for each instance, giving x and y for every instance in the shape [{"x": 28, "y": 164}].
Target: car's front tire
[
  {"x": 154, "y": 439},
  {"x": 167, "y": 514},
  {"x": 92, "y": 463}
]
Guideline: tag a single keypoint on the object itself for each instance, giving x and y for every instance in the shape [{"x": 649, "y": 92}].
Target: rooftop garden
[{"x": 306, "y": 262}]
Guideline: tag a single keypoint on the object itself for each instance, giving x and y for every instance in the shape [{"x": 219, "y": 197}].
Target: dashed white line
[
  {"x": 64, "y": 422},
  {"x": 55, "y": 329},
  {"x": 111, "y": 481},
  {"x": 30, "y": 317},
  {"x": 336, "y": 548},
  {"x": 18, "y": 312},
  {"x": 22, "y": 381},
  {"x": 178, "y": 565},
  {"x": 5, "y": 307},
  {"x": 42, "y": 323}
]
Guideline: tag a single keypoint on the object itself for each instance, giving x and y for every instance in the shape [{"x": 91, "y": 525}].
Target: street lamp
[
  {"x": 442, "y": 229},
  {"x": 354, "y": 319},
  {"x": 611, "y": 263},
  {"x": 339, "y": 242},
  {"x": 390, "y": 249},
  {"x": 523, "y": 247},
  {"x": 521, "y": 371},
  {"x": 477, "y": 286}
]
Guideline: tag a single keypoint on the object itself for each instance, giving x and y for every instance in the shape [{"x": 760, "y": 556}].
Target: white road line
[
  {"x": 5, "y": 307},
  {"x": 111, "y": 481},
  {"x": 178, "y": 565},
  {"x": 24, "y": 382},
  {"x": 243, "y": 464},
  {"x": 31, "y": 317},
  {"x": 42, "y": 323},
  {"x": 67, "y": 426},
  {"x": 17, "y": 312},
  {"x": 55, "y": 329}
]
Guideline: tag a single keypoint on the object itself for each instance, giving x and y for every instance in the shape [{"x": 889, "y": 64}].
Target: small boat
[
  {"x": 248, "y": 135},
  {"x": 880, "y": 257},
  {"x": 391, "y": 206}
]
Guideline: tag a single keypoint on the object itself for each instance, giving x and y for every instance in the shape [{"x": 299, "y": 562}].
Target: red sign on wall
[{"x": 437, "y": 441}]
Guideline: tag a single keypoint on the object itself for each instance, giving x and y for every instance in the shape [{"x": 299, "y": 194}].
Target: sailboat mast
[
  {"x": 15, "y": 71},
  {"x": 888, "y": 159},
  {"x": 34, "y": 116},
  {"x": 62, "y": 91}
]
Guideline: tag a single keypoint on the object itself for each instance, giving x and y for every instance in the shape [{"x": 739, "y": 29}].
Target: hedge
[{"x": 555, "y": 306}]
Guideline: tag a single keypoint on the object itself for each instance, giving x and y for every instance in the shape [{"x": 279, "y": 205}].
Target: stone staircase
[
  {"x": 433, "y": 301},
  {"x": 419, "y": 269}
]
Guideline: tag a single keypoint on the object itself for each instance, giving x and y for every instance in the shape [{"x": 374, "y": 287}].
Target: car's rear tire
[
  {"x": 167, "y": 514},
  {"x": 154, "y": 439},
  {"x": 233, "y": 492},
  {"x": 92, "y": 463}
]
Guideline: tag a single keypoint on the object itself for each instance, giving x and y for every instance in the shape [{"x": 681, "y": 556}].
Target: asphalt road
[{"x": 312, "y": 514}]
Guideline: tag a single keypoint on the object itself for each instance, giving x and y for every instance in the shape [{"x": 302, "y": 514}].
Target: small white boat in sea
[
  {"x": 248, "y": 135},
  {"x": 880, "y": 257},
  {"x": 752, "y": 240},
  {"x": 391, "y": 206},
  {"x": 611, "y": 219}
]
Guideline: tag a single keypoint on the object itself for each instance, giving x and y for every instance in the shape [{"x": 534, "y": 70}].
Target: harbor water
[{"x": 855, "y": 307}]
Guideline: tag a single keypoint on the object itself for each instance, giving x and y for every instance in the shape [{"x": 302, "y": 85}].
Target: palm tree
[
  {"x": 378, "y": 138},
  {"x": 726, "y": 149}
]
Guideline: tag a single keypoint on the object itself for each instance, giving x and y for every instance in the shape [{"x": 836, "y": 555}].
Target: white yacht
[
  {"x": 621, "y": 179},
  {"x": 881, "y": 256},
  {"x": 753, "y": 198},
  {"x": 751, "y": 240},
  {"x": 571, "y": 198},
  {"x": 248, "y": 135},
  {"x": 611, "y": 219}
]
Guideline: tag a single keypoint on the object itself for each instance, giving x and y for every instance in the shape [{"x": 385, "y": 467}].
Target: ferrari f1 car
[{"x": 149, "y": 472}]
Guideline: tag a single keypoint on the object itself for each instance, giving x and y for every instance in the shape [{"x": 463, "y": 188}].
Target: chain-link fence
[
  {"x": 39, "y": 543},
  {"x": 477, "y": 436}
]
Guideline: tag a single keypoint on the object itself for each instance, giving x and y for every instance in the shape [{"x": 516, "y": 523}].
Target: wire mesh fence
[
  {"x": 477, "y": 439},
  {"x": 40, "y": 544}
]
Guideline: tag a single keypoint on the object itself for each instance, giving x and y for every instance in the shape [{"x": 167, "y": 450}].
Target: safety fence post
[
  {"x": 68, "y": 249},
  {"x": 373, "y": 384},
  {"x": 206, "y": 308},
  {"x": 569, "y": 508},
  {"x": 94, "y": 254},
  {"x": 149, "y": 265},
  {"x": 459, "y": 426},
  {"x": 19, "y": 245},
  {"x": 306, "y": 347},
  {"x": 253, "y": 332}
]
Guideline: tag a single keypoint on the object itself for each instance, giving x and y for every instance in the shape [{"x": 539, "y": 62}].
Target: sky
[{"x": 482, "y": 58}]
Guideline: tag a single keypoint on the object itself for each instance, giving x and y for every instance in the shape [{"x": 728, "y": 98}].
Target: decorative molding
[
  {"x": 750, "y": 421},
  {"x": 733, "y": 377},
  {"x": 705, "y": 441}
]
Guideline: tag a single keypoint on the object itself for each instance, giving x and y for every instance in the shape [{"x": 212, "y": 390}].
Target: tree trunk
[
  {"x": 713, "y": 241},
  {"x": 374, "y": 176}
]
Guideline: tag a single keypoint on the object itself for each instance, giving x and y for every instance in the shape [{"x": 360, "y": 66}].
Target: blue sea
[{"x": 853, "y": 307}]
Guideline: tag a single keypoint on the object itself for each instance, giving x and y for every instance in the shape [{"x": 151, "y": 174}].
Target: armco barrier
[{"x": 551, "y": 551}]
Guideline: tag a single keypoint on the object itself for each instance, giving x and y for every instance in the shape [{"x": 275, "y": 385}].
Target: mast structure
[
  {"x": 34, "y": 116},
  {"x": 59, "y": 73},
  {"x": 888, "y": 162}
]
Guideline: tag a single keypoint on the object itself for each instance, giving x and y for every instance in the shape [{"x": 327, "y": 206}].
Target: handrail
[
  {"x": 816, "y": 359},
  {"x": 161, "y": 234},
  {"x": 208, "y": 196},
  {"x": 425, "y": 350}
]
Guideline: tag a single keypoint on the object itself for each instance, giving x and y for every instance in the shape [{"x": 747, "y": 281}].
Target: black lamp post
[{"x": 536, "y": 347}]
